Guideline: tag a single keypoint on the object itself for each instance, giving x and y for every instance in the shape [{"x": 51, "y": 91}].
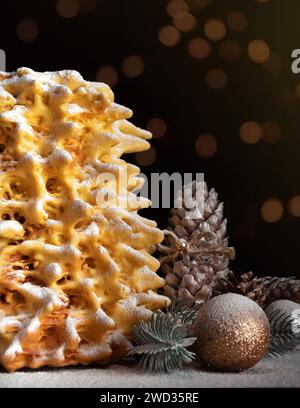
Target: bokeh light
[
  {"x": 27, "y": 30},
  {"x": 68, "y": 8},
  {"x": 271, "y": 132},
  {"x": 197, "y": 5},
  {"x": 294, "y": 206},
  {"x": 169, "y": 35},
  {"x": 216, "y": 78},
  {"x": 199, "y": 48},
  {"x": 146, "y": 158},
  {"x": 108, "y": 74},
  {"x": 133, "y": 66},
  {"x": 206, "y": 145},
  {"x": 157, "y": 127},
  {"x": 258, "y": 51},
  {"x": 176, "y": 7},
  {"x": 215, "y": 29},
  {"x": 251, "y": 132},
  {"x": 185, "y": 22},
  {"x": 229, "y": 50},
  {"x": 272, "y": 210},
  {"x": 237, "y": 20}
]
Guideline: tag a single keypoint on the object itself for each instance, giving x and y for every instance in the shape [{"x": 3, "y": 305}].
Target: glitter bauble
[{"x": 232, "y": 333}]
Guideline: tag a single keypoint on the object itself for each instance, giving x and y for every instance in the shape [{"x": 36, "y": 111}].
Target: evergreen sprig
[
  {"x": 163, "y": 341},
  {"x": 183, "y": 312},
  {"x": 285, "y": 332}
]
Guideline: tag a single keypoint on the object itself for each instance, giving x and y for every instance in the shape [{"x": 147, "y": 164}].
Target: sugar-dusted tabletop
[{"x": 277, "y": 372}]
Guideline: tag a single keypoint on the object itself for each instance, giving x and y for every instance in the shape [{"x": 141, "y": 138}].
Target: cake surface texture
[{"x": 75, "y": 274}]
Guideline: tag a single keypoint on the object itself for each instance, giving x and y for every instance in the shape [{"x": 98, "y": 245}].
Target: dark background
[{"x": 173, "y": 87}]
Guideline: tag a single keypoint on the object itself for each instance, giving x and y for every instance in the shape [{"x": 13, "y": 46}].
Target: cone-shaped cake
[{"x": 75, "y": 273}]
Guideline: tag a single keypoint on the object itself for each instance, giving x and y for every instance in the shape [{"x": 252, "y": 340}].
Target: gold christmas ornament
[
  {"x": 75, "y": 274},
  {"x": 232, "y": 333}
]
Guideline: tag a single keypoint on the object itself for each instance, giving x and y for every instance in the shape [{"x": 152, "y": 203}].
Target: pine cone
[
  {"x": 264, "y": 290},
  {"x": 195, "y": 251},
  {"x": 267, "y": 289}
]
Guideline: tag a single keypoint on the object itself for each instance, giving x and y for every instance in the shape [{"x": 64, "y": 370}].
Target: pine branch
[
  {"x": 183, "y": 312},
  {"x": 285, "y": 332},
  {"x": 162, "y": 342}
]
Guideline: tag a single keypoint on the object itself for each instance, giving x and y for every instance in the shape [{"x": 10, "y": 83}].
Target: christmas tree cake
[{"x": 75, "y": 274}]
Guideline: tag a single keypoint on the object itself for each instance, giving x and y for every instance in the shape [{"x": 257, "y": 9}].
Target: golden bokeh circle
[
  {"x": 197, "y": 5},
  {"x": 133, "y": 66},
  {"x": 216, "y": 78},
  {"x": 215, "y": 29},
  {"x": 157, "y": 127},
  {"x": 251, "y": 132},
  {"x": 108, "y": 74},
  {"x": 175, "y": 7},
  {"x": 294, "y": 206},
  {"x": 259, "y": 51},
  {"x": 169, "y": 35},
  {"x": 185, "y": 22},
  {"x": 206, "y": 145},
  {"x": 237, "y": 20},
  {"x": 229, "y": 50},
  {"x": 272, "y": 210},
  {"x": 271, "y": 132},
  {"x": 199, "y": 48},
  {"x": 146, "y": 158},
  {"x": 68, "y": 8},
  {"x": 27, "y": 30}
]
